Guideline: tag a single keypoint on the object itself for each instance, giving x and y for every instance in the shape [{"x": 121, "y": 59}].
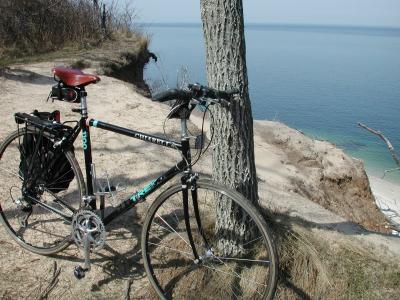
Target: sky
[{"x": 384, "y": 13}]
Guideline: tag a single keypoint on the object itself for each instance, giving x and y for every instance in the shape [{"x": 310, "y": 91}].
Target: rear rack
[{"x": 52, "y": 128}]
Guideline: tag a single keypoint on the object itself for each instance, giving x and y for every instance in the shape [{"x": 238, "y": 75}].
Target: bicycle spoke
[
  {"x": 224, "y": 286},
  {"x": 173, "y": 229},
  {"x": 176, "y": 250},
  {"x": 11, "y": 173},
  {"x": 170, "y": 231},
  {"x": 234, "y": 275},
  {"x": 234, "y": 265},
  {"x": 227, "y": 266},
  {"x": 42, "y": 215},
  {"x": 242, "y": 259},
  {"x": 60, "y": 177},
  {"x": 256, "y": 239}
]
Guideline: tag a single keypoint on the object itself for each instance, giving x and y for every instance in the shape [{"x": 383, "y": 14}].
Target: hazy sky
[{"x": 329, "y": 12}]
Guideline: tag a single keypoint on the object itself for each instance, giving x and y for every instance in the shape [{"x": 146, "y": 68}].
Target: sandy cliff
[{"x": 319, "y": 171}]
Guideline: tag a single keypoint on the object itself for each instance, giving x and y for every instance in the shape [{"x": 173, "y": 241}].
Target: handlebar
[
  {"x": 173, "y": 94},
  {"x": 196, "y": 91},
  {"x": 207, "y": 92}
]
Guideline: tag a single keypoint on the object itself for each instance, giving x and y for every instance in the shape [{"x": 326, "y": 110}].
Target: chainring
[{"x": 87, "y": 222}]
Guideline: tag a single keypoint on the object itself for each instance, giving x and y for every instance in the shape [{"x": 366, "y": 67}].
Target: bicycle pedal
[{"x": 79, "y": 272}]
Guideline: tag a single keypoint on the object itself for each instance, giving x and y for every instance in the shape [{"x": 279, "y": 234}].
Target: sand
[
  {"x": 134, "y": 163},
  {"x": 387, "y": 196}
]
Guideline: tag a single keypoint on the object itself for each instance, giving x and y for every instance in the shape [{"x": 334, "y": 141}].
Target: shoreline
[
  {"x": 373, "y": 165},
  {"x": 387, "y": 198}
]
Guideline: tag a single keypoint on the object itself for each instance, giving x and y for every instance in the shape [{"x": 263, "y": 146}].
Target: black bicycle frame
[{"x": 84, "y": 124}]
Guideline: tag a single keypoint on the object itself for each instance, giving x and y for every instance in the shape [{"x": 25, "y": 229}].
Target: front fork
[{"x": 189, "y": 182}]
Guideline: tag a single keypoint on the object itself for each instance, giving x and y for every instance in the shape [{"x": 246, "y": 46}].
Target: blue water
[{"x": 322, "y": 80}]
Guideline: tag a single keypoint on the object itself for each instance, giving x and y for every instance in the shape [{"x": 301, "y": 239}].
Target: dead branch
[
  {"x": 127, "y": 289},
  {"x": 390, "y": 170},
  {"x": 50, "y": 6},
  {"x": 53, "y": 282},
  {"x": 388, "y": 143}
]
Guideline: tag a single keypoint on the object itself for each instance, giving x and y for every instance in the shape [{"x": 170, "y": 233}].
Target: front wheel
[{"x": 236, "y": 255}]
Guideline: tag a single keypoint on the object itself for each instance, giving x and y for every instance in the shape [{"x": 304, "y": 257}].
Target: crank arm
[{"x": 80, "y": 271}]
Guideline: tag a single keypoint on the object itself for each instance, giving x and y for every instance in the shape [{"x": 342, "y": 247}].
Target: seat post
[
  {"x": 84, "y": 111},
  {"x": 184, "y": 130}
]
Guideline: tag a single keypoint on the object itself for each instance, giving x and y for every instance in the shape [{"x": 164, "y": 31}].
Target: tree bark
[{"x": 233, "y": 156}]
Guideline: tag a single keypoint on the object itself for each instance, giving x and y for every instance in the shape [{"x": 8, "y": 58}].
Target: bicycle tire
[
  {"x": 169, "y": 261},
  {"x": 45, "y": 232}
]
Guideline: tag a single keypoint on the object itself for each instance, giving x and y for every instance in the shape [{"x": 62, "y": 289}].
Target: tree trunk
[{"x": 233, "y": 156}]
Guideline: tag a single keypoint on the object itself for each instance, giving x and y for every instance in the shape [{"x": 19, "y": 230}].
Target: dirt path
[{"x": 130, "y": 162}]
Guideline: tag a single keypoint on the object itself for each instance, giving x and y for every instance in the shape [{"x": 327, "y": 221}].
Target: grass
[
  {"x": 81, "y": 64},
  {"x": 315, "y": 267},
  {"x": 41, "y": 30},
  {"x": 123, "y": 56},
  {"x": 41, "y": 57},
  {"x": 119, "y": 41}
]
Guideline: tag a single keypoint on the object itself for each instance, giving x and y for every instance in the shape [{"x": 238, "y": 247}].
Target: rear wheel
[
  {"x": 237, "y": 255},
  {"x": 28, "y": 216}
]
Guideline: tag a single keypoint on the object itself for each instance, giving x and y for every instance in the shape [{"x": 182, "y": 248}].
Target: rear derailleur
[
  {"x": 25, "y": 204},
  {"x": 25, "y": 210}
]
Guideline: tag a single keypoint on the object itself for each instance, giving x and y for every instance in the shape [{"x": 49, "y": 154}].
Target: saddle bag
[
  {"x": 63, "y": 92},
  {"x": 41, "y": 163}
]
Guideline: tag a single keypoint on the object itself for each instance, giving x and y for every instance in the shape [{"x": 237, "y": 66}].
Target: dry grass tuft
[
  {"x": 314, "y": 267},
  {"x": 37, "y": 26},
  {"x": 81, "y": 64}
]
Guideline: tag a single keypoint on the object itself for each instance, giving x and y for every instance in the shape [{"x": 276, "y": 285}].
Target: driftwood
[
  {"x": 394, "y": 224},
  {"x": 388, "y": 144}
]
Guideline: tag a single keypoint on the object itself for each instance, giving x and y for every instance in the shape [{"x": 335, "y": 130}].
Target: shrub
[{"x": 29, "y": 27}]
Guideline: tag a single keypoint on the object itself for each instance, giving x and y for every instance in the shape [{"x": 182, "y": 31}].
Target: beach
[
  {"x": 310, "y": 78},
  {"x": 387, "y": 196}
]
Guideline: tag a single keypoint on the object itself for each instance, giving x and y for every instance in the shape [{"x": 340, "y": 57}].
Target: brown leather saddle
[{"x": 74, "y": 77}]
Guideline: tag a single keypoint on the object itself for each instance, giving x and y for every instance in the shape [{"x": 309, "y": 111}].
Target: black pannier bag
[{"x": 50, "y": 167}]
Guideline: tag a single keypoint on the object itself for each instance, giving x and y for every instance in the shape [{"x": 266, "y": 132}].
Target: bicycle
[{"x": 199, "y": 239}]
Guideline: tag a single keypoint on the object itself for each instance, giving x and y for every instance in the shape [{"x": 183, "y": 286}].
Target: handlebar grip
[
  {"x": 204, "y": 91},
  {"x": 173, "y": 94},
  {"x": 216, "y": 94},
  {"x": 226, "y": 95}
]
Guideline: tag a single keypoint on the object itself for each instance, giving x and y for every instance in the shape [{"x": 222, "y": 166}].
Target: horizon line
[{"x": 358, "y": 26}]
